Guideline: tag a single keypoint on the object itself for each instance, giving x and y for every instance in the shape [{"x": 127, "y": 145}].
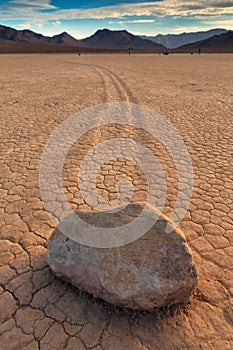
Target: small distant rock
[{"x": 154, "y": 271}]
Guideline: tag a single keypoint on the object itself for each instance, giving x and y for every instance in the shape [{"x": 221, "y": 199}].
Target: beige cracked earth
[{"x": 38, "y": 92}]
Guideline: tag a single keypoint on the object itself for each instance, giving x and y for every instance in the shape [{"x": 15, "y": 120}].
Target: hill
[
  {"x": 217, "y": 44},
  {"x": 28, "y": 36},
  {"x": 120, "y": 40},
  {"x": 172, "y": 41},
  {"x": 66, "y": 39}
]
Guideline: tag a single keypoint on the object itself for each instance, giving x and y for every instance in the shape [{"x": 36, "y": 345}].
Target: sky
[{"x": 83, "y": 18}]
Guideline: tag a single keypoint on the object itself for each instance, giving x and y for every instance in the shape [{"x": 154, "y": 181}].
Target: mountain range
[
  {"x": 102, "y": 39},
  {"x": 172, "y": 41},
  {"x": 120, "y": 40},
  {"x": 218, "y": 43},
  {"x": 12, "y": 40},
  {"x": 11, "y": 34}
]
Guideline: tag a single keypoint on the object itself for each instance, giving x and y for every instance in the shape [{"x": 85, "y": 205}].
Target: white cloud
[
  {"x": 25, "y": 25},
  {"x": 191, "y": 29},
  {"x": 25, "y": 9},
  {"x": 132, "y": 21},
  {"x": 34, "y": 4},
  {"x": 222, "y": 23},
  {"x": 35, "y": 26},
  {"x": 141, "y": 21},
  {"x": 159, "y": 9},
  {"x": 56, "y": 23}
]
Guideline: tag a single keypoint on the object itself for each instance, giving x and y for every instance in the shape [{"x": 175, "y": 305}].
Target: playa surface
[{"x": 38, "y": 92}]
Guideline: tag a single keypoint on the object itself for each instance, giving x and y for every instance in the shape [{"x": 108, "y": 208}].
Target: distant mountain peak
[
  {"x": 28, "y": 36},
  {"x": 172, "y": 41},
  {"x": 119, "y": 40},
  {"x": 64, "y": 34},
  {"x": 216, "y": 43}
]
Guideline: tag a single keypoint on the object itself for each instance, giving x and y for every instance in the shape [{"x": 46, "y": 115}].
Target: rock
[{"x": 155, "y": 270}]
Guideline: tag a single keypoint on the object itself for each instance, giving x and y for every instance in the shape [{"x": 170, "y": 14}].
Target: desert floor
[{"x": 38, "y": 92}]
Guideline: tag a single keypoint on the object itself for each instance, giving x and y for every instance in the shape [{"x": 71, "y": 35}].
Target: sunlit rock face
[{"x": 155, "y": 270}]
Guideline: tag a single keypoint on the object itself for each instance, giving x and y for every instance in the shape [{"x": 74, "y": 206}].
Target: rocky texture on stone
[{"x": 155, "y": 270}]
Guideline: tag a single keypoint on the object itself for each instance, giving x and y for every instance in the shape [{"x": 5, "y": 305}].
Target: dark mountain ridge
[
  {"x": 121, "y": 40},
  {"x": 217, "y": 44},
  {"x": 172, "y": 41},
  {"x": 26, "y": 35}
]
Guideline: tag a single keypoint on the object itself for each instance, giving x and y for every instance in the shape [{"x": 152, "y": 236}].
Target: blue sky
[{"x": 83, "y": 18}]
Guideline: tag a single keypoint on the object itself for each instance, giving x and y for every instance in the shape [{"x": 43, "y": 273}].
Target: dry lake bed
[{"x": 37, "y": 93}]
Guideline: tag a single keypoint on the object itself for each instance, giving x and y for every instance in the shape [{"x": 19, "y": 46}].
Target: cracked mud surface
[{"x": 38, "y": 92}]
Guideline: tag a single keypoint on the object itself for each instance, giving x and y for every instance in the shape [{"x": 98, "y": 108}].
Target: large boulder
[{"x": 153, "y": 271}]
